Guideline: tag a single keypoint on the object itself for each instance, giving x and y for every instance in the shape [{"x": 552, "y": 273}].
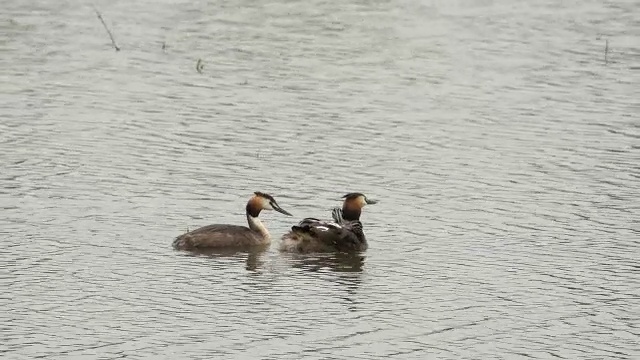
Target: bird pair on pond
[{"x": 343, "y": 234}]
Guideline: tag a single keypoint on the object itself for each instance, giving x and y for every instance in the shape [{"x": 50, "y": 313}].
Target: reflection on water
[
  {"x": 504, "y": 147},
  {"x": 255, "y": 256},
  {"x": 338, "y": 262}
]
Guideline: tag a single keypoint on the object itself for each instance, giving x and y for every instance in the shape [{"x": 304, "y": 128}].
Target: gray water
[{"x": 503, "y": 147}]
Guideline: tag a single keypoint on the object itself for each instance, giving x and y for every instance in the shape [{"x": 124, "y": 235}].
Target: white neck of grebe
[{"x": 256, "y": 225}]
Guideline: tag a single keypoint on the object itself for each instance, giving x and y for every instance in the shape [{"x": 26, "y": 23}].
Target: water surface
[{"x": 504, "y": 151}]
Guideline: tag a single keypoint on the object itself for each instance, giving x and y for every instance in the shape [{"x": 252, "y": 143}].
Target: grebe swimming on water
[
  {"x": 343, "y": 234},
  {"x": 228, "y": 236}
]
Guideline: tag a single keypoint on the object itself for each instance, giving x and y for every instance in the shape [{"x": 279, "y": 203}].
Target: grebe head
[
  {"x": 358, "y": 198},
  {"x": 353, "y": 204},
  {"x": 262, "y": 201}
]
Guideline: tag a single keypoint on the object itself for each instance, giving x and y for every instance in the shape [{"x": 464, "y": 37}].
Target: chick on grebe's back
[{"x": 344, "y": 234}]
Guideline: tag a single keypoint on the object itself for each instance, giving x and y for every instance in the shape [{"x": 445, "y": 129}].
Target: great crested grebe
[
  {"x": 343, "y": 234},
  {"x": 228, "y": 236}
]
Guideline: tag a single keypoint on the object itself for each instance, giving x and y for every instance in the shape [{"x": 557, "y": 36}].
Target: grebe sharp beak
[{"x": 277, "y": 208}]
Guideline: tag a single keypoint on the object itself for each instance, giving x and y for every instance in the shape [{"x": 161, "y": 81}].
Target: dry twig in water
[{"x": 113, "y": 41}]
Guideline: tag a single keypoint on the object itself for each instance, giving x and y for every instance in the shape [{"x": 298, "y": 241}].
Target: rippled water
[{"x": 504, "y": 150}]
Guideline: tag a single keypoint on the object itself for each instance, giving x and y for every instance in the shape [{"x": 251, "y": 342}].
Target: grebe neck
[{"x": 256, "y": 225}]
